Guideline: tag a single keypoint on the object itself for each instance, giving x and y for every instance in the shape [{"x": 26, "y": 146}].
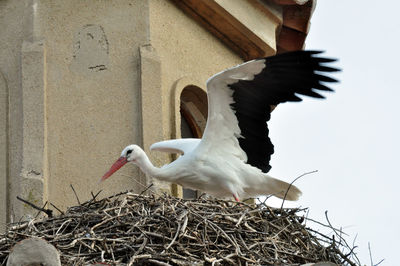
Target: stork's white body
[
  {"x": 214, "y": 170},
  {"x": 229, "y": 159}
]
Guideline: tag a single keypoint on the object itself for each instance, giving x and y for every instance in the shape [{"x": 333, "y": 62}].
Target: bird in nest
[{"x": 233, "y": 156}]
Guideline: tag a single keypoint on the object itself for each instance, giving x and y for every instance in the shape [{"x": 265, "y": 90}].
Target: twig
[
  {"x": 290, "y": 185},
  {"x": 44, "y": 205},
  {"x": 73, "y": 189},
  {"x": 173, "y": 240},
  {"x": 46, "y": 211},
  {"x": 93, "y": 196},
  {"x": 370, "y": 254},
  {"x": 147, "y": 188},
  {"x": 324, "y": 225},
  {"x": 335, "y": 230},
  {"x": 55, "y": 207},
  {"x": 142, "y": 185},
  {"x": 345, "y": 257}
]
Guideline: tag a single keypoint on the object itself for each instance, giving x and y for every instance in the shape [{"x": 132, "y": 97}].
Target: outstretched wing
[
  {"x": 240, "y": 100},
  {"x": 176, "y": 145}
]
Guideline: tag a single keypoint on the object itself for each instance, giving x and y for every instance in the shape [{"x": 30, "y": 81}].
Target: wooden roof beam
[{"x": 227, "y": 27}]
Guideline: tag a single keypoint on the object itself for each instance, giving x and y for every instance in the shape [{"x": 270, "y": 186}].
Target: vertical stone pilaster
[
  {"x": 152, "y": 109},
  {"x": 3, "y": 152},
  {"x": 33, "y": 98}
]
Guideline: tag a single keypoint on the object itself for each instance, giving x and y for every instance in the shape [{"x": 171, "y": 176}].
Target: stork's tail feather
[
  {"x": 283, "y": 188},
  {"x": 278, "y": 188}
]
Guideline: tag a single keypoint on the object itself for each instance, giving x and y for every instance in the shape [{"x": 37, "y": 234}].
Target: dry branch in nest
[{"x": 132, "y": 229}]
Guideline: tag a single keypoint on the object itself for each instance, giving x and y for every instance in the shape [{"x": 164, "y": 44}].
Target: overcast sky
[{"x": 352, "y": 137}]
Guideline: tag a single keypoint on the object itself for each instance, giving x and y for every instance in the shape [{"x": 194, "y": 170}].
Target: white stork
[{"x": 233, "y": 156}]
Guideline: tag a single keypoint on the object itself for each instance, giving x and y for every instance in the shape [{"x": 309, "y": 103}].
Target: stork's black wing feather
[{"x": 284, "y": 78}]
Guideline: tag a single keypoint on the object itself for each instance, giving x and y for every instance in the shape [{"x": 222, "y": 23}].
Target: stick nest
[{"x": 130, "y": 229}]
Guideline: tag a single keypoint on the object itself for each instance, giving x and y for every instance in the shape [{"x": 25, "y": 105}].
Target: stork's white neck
[{"x": 147, "y": 167}]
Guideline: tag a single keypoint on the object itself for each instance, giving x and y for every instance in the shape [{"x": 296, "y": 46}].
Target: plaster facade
[
  {"x": 12, "y": 35},
  {"x": 72, "y": 75},
  {"x": 92, "y": 93}
]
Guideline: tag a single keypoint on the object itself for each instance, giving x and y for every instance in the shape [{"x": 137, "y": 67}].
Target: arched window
[{"x": 193, "y": 109}]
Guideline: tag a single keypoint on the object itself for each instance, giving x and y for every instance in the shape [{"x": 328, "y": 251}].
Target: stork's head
[{"x": 130, "y": 154}]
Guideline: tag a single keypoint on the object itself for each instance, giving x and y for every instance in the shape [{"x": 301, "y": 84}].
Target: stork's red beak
[{"x": 118, "y": 164}]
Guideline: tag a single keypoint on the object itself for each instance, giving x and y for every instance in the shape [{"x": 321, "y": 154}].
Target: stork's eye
[{"x": 128, "y": 152}]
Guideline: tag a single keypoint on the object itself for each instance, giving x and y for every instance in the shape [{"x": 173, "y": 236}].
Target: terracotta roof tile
[
  {"x": 290, "y": 40},
  {"x": 295, "y": 25}
]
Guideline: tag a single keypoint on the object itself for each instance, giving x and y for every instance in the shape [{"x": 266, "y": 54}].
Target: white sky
[{"x": 352, "y": 137}]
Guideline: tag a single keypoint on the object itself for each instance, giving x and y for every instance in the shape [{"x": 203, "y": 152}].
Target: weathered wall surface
[
  {"x": 92, "y": 92},
  {"x": 71, "y": 70},
  {"x": 185, "y": 49},
  {"x": 31, "y": 179},
  {"x": 12, "y": 36},
  {"x": 3, "y": 150}
]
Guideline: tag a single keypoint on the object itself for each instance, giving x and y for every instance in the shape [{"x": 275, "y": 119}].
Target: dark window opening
[{"x": 193, "y": 120}]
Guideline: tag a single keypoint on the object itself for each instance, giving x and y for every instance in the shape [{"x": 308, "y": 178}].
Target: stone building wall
[
  {"x": 12, "y": 35},
  {"x": 72, "y": 73}
]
